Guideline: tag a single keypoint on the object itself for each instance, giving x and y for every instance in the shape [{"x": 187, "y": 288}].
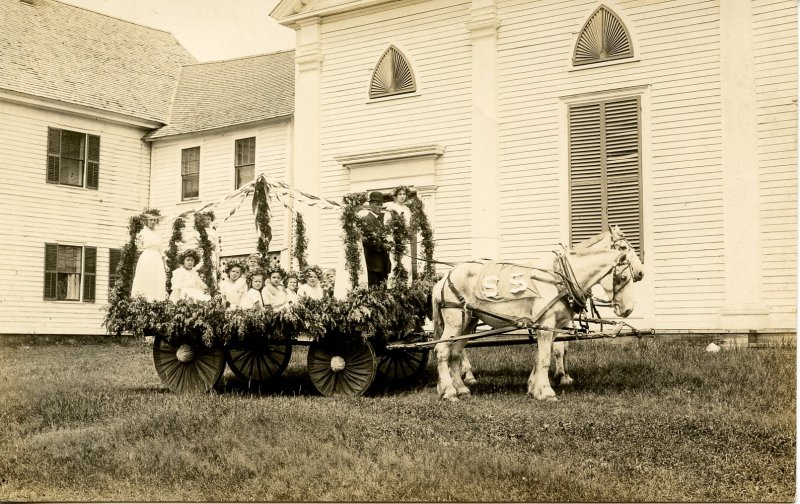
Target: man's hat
[{"x": 376, "y": 196}]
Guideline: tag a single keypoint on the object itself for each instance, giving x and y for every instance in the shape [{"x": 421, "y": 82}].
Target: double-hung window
[
  {"x": 69, "y": 272},
  {"x": 73, "y": 158},
  {"x": 245, "y": 162},
  {"x": 605, "y": 169},
  {"x": 190, "y": 173}
]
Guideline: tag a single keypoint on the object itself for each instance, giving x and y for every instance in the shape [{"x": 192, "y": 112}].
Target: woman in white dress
[
  {"x": 253, "y": 298},
  {"x": 400, "y": 194},
  {"x": 274, "y": 293},
  {"x": 150, "y": 277},
  {"x": 312, "y": 288},
  {"x": 186, "y": 282}
]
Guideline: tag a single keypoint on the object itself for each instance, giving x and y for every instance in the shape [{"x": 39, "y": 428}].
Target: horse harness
[{"x": 563, "y": 277}]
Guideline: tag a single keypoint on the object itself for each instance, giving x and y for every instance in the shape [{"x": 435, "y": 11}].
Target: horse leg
[
  {"x": 539, "y": 381},
  {"x": 456, "y": 356},
  {"x": 466, "y": 370},
  {"x": 560, "y": 354},
  {"x": 451, "y": 327},
  {"x": 466, "y": 365}
]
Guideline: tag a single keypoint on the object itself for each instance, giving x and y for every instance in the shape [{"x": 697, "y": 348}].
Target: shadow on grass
[
  {"x": 289, "y": 384},
  {"x": 150, "y": 390}
]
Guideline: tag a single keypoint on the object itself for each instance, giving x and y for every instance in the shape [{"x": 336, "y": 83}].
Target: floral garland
[
  {"x": 419, "y": 221},
  {"x": 400, "y": 237},
  {"x": 261, "y": 210},
  {"x": 300, "y": 242},
  {"x": 350, "y": 233},
  {"x": 126, "y": 268},
  {"x": 172, "y": 251},
  {"x": 206, "y": 271}
]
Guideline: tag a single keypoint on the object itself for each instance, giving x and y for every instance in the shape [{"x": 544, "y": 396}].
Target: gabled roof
[
  {"x": 61, "y": 52},
  {"x": 289, "y": 12},
  {"x": 231, "y": 92}
]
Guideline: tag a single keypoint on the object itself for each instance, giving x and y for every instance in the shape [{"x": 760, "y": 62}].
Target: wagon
[{"x": 341, "y": 362}]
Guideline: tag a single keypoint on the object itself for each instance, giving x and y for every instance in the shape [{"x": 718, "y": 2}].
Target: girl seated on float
[
  {"x": 186, "y": 282},
  {"x": 252, "y": 298},
  {"x": 234, "y": 287},
  {"x": 312, "y": 288},
  {"x": 274, "y": 292},
  {"x": 291, "y": 287}
]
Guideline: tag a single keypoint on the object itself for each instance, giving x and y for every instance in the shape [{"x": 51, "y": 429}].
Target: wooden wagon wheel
[
  {"x": 400, "y": 364},
  {"x": 187, "y": 368},
  {"x": 341, "y": 367},
  {"x": 258, "y": 361}
]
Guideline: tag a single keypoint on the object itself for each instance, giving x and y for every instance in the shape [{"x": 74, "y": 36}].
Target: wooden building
[{"x": 529, "y": 123}]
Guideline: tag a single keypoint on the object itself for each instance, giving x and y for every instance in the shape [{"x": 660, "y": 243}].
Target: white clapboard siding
[
  {"x": 433, "y": 38},
  {"x": 676, "y": 48},
  {"x": 775, "y": 38},
  {"x": 36, "y": 213},
  {"x": 237, "y": 232}
]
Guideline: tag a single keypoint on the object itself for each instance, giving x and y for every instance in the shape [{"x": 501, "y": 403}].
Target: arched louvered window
[
  {"x": 392, "y": 76},
  {"x": 603, "y": 38}
]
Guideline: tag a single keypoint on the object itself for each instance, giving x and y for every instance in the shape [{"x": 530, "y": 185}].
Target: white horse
[{"x": 606, "y": 259}]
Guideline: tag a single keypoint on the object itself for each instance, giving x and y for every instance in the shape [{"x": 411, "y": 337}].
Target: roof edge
[
  {"x": 77, "y": 109},
  {"x": 153, "y": 135}
]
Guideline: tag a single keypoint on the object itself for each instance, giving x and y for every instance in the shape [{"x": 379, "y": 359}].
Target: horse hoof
[
  {"x": 464, "y": 392},
  {"x": 566, "y": 381},
  {"x": 470, "y": 381},
  {"x": 543, "y": 394},
  {"x": 450, "y": 394}
]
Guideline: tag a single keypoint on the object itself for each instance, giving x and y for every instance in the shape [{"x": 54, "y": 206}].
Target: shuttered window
[
  {"x": 603, "y": 38},
  {"x": 190, "y": 173},
  {"x": 69, "y": 272},
  {"x": 73, "y": 158},
  {"x": 245, "y": 162},
  {"x": 392, "y": 75},
  {"x": 605, "y": 169},
  {"x": 114, "y": 256}
]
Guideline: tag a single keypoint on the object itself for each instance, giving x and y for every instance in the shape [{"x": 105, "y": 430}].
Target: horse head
[{"x": 626, "y": 270}]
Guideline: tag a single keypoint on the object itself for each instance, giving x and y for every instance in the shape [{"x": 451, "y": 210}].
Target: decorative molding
[
  {"x": 483, "y": 20},
  {"x": 392, "y": 154}
]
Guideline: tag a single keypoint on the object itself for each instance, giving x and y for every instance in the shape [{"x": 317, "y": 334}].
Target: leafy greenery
[
  {"x": 172, "y": 251},
  {"x": 645, "y": 422},
  {"x": 261, "y": 211},
  {"x": 300, "y": 242},
  {"x": 207, "y": 270},
  {"x": 419, "y": 222}
]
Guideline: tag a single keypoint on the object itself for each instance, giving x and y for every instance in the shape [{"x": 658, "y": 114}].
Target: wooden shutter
[
  {"x": 585, "y": 172},
  {"x": 50, "y": 270},
  {"x": 114, "y": 256},
  {"x": 89, "y": 273},
  {"x": 93, "y": 162},
  {"x": 603, "y": 37},
  {"x": 623, "y": 162},
  {"x": 605, "y": 169},
  {"x": 53, "y": 154},
  {"x": 392, "y": 75}
]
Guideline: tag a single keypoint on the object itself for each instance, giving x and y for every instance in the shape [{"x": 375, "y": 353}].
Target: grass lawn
[{"x": 649, "y": 421}]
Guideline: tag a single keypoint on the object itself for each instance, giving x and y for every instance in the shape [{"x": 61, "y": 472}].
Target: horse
[{"x": 563, "y": 286}]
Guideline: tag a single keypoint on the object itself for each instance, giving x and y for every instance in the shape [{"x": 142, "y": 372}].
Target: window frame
[
  {"x": 89, "y": 158},
  {"x": 602, "y": 101},
  {"x": 87, "y": 281},
  {"x": 372, "y": 94},
  {"x": 238, "y": 158},
  {"x": 186, "y": 177},
  {"x": 599, "y": 60},
  {"x": 112, "y": 267}
]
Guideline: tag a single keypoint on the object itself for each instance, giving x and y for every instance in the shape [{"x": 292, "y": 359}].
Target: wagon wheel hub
[
  {"x": 185, "y": 353},
  {"x": 337, "y": 364}
]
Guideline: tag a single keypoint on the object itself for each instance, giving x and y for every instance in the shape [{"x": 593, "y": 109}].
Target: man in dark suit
[{"x": 376, "y": 247}]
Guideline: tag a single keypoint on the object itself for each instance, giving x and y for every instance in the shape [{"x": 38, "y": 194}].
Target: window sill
[
  {"x": 602, "y": 64},
  {"x": 393, "y": 97},
  {"x": 188, "y": 201}
]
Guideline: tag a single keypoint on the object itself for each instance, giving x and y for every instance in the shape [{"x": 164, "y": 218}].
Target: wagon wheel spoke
[
  {"x": 341, "y": 368},
  {"x": 259, "y": 362},
  {"x": 399, "y": 365},
  {"x": 187, "y": 368}
]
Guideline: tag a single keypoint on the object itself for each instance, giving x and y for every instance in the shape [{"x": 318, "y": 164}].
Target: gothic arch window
[
  {"x": 392, "y": 75},
  {"x": 603, "y": 38}
]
